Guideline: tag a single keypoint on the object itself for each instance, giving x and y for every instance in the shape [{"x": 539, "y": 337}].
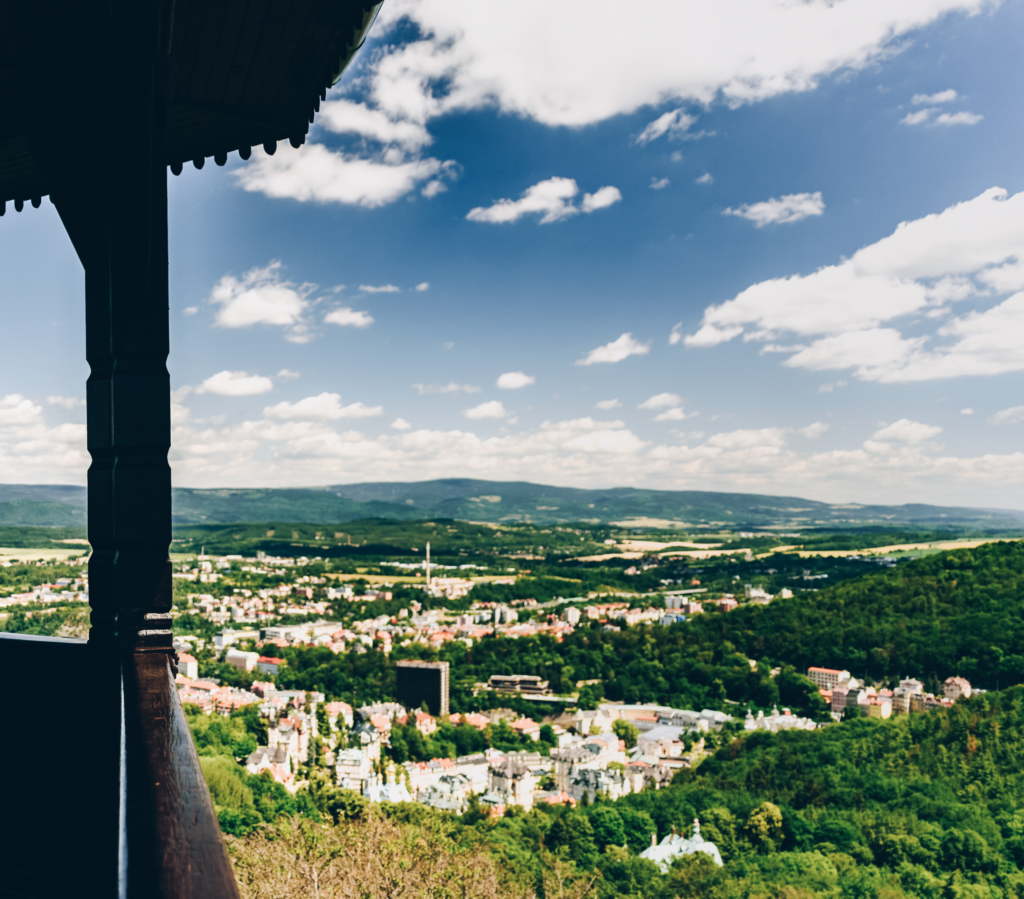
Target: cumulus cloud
[
  {"x": 661, "y": 401},
  {"x": 814, "y": 430},
  {"x": 382, "y": 288},
  {"x": 33, "y": 452},
  {"x": 675, "y": 123},
  {"x": 261, "y": 297},
  {"x": 313, "y": 173},
  {"x": 659, "y": 183},
  {"x": 972, "y": 250},
  {"x": 784, "y": 210},
  {"x": 622, "y": 347},
  {"x": 66, "y": 402},
  {"x": 928, "y": 117},
  {"x": 967, "y": 412},
  {"x": 906, "y": 431},
  {"x": 346, "y": 316},
  {"x": 705, "y": 179},
  {"x": 190, "y": 310},
  {"x": 742, "y": 51},
  {"x": 676, "y": 334},
  {"x": 581, "y": 452},
  {"x": 946, "y": 96},
  {"x": 1010, "y": 416},
  {"x": 324, "y": 407},
  {"x": 286, "y": 374},
  {"x": 601, "y": 198},
  {"x": 344, "y": 116},
  {"x": 513, "y": 380},
  {"x": 400, "y": 424},
  {"x": 958, "y": 118},
  {"x": 492, "y": 409},
  {"x": 608, "y": 404},
  {"x": 518, "y": 59},
  {"x": 673, "y": 414},
  {"x": 422, "y": 286},
  {"x": 235, "y": 383},
  {"x": 450, "y": 387},
  {"x": 551, "y": 199}
]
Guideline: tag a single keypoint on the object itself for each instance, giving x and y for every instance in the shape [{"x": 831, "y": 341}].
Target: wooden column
[{"x": 110, "y": 189}]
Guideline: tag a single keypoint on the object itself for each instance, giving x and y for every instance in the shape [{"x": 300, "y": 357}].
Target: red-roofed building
[
  {"x": 188, "y": 665},
  {"x": 527, "y": 727},
  {"x": 827, "y": 677},
  {"x": 270, "y": 664},
  {"x": 425, "y": 724}
]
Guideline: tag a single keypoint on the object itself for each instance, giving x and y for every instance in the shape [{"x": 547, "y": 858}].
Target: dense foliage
[
  {"x": 948, "y": 613},
  {"x": 929, "y": 805}
]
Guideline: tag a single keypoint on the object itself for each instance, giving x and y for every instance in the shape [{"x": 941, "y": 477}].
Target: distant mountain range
[{"x": 498, "y": 501}]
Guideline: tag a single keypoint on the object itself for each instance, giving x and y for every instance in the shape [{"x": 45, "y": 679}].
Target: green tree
[{"x": 626, "y": 731}]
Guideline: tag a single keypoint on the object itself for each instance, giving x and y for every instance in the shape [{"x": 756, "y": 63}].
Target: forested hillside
[
  {"x": 927, "y": 805},
  {"x": 953, "y": 612}
]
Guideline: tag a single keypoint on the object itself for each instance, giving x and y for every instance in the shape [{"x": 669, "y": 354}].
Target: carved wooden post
[{"x": 111, "y": 193}]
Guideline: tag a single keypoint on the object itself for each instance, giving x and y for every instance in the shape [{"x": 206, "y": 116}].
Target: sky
[{"x": 756, "y": 245}]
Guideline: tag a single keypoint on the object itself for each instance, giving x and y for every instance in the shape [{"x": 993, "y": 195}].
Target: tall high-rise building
[{"x": 420, "y": 682}]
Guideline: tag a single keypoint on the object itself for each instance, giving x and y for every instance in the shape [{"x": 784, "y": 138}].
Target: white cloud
[
  {"x": 66, "y": 402},
  {"x": 492, "y": 409},
  {"x": 346, "y": 117},
  {"x": 400, "y": 424},
  {"x": 917, "y": 118},
  {"x": 190, "y": 310},
  {"x": 676, "y": 335},
  {"x": 347, "y": 316},
  {"x": 676, "y": 124},
  {"x": 433, "y": 188},
  {"x": 422, "y": 286},
  {"x": 324, "y": 407},
  {"x": 383, "y": 288},
  {"x": 705, "y": 179},
  {"x": 450, "y": 387},
  {"x": 814, "y": 430},
  {"x": 261, "y": 297},
  {"x": 947, "y": 96},
  {"x": 958, "y": 118},
  {"x": 286, "y": 374},
  {"x": 907, "y": 432},
  {"x": 33, "y": 452},
  {"x": 1010, "y": 416},
  {"x": 673, "y": 414},
  {"x": 314, "y": 173},
  {"x": 661, "y": 401},
  {"x": 852, "y": 308},
  {"x": 235, "y": 383},
  {"x": 549, "y": 63},
  {"x": 601, "y": 198},
  {"x": 551, "y": 198},
  {"x": 967, "y": 412},
  {"x": 579, "y": 452},
  {"x": 659, "y": 183},
  {"x": 928, "y": 117},
  {"x": 513, "y": 380},
  {"x": 621, "y": 348},
  {"x": 784, "y": 210},
  {"x": 608, "y": 404}
]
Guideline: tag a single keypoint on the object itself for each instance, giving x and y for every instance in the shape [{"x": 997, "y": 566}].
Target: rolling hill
[{"x": 500, "y": 501}]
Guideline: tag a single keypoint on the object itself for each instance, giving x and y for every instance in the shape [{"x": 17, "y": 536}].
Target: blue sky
[{"x": 540, "y": 242}]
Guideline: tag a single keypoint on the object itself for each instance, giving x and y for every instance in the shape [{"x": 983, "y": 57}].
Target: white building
[{"x": 676, "y": 845}]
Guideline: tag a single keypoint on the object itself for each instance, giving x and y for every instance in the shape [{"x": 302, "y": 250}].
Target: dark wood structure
[{"x": 97, "y": 99}]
